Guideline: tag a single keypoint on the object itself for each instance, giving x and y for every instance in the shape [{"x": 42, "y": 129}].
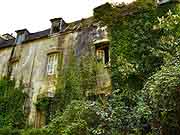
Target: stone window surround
[
  {"x": 52, "y": 62},
  {"x": 102, "y": 50},
  {"x": 53, "y": 51}
]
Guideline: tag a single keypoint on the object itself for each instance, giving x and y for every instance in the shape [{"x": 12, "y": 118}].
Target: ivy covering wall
[
  {"x": 11, "y": 105},
  {"x": 145, "y": 79},
  {"x": 145, "y": 66}
]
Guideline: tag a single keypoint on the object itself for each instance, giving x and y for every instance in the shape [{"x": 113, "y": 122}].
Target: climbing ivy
[
  {"x": 68, "y": 86},
  {"x": 42, "y": 103},
  {"x": 143, "y": 43},
  {"x": 144, "y": 49},
  {"x": 81, "y": 117},
  {"x": 11, "y": 105},
  {"x": 162, "y": 88},
  {"x": 145, "y": 78}
]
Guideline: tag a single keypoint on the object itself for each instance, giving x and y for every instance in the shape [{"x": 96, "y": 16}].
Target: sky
[{"x": 35, "y": 14}]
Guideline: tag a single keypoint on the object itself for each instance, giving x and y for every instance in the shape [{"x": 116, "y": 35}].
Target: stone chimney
[
  {"x": 57, "y": 25},
  {"x": 7, "y": 36},
  {"x": 1, "y": 38},
  {"x": 22, "y": 35}
]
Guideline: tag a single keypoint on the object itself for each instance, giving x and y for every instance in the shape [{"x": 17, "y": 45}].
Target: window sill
[{"x": 101, "y": 41}]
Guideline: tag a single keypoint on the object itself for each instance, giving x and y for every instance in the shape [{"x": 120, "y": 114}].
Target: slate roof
[
  {"x": 7, "y": 43},
  {"x": 31, "y": 36},
  {"x": 37, "y": 35},
  {"x": 45, "y": 33}
]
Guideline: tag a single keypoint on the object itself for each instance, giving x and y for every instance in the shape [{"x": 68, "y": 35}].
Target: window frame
[
  {"x": 52, "y": 64},
  {"x": 20, "y": 38},
  {"x": 104, "y": 51}
]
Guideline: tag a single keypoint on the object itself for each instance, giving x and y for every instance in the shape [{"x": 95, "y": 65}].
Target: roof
[
  {"x": 37, "y": 35},
  {"x": 31, "y": 36},
  {"x": 83, "y": 23},
  {"x": 7, "y": 43},
  {"x": 74, "y": 26}
]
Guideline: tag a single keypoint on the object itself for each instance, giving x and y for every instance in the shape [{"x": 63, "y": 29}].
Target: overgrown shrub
[
  {"x": 43, "y": 103},
  {"x": 145, "y": 78},
  {"x": 35, "y": 132},
  {"x": 68, "y": 87},
  {"x": 11, "y": 105},
  {"x": 80, "y": 117},
  {"x": 143, "y": 40},
  {"x": 8, "y": 131}
]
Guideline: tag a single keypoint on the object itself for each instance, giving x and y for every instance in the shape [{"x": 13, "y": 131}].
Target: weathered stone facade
[{"x": 27, "y": 57}]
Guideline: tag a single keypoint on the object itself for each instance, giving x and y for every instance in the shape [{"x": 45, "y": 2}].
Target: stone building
[{"x": 32, "y": 58}]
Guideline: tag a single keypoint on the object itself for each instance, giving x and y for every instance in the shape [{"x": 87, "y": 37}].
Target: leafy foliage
[
  {"x": 8, "y": 131},
  {"x": 88, "y": 71},
  {"x": 80, "y": 117},
  {"x": 68, "y": 87},
  {"x": 43, "y": 103},
  {"x": 162, "y": 88},
  {"x": 11, "y": 105},
  {"x": 144, "y": 48},
  {"x": 133, "y": 60},
  {"x": 145, "y": 78},
  {"x": 162, "y": 95},
  {"x": 35, "y": 132}
]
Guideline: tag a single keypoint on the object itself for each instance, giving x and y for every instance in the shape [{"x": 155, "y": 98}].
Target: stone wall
[{"x": 28, "y": 62}]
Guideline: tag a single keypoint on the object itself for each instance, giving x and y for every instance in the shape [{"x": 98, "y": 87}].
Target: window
[
  {"x": 52, "y": 64},
  {"x": 102, "y": 54},
  {"x": 55, "y": 28},
  {"x": 57, "y": 25},
  {"x": 20, "y": 38}
]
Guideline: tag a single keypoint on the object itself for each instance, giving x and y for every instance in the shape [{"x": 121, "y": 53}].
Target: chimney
[
  {"x": 22, "y": 35},
  {"x": 57, "y": 25},
  {"x": 1, "y": 38},
  {"x": 7, "y": 36}
]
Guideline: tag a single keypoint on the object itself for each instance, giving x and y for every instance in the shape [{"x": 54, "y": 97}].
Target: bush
[
  {"x": 34, "y": 131},
  {"x": 8, "y": 131},
  {"x": 80, "y": 118},
  {"x": 11, "y": 105}
]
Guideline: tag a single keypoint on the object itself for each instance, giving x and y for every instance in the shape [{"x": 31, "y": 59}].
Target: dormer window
[
  {"x": 22, "y": 35},
  {"x": 52, "y": 64},
  {"x": 20, "y": 38},
  {"x": 57, "y": 25}
]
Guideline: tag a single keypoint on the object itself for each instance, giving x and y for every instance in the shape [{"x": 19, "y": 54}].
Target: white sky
[{"x": 35, "y": 14}]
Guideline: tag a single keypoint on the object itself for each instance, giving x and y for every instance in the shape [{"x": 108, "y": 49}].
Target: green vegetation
[
  {"x": 145, "y": 80},
  {"x": 145, "y": 59},
  {"x": 34, "y": 132},
  {"x": 80, "y": 117},
  {"x": 11, "y": 105}
]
